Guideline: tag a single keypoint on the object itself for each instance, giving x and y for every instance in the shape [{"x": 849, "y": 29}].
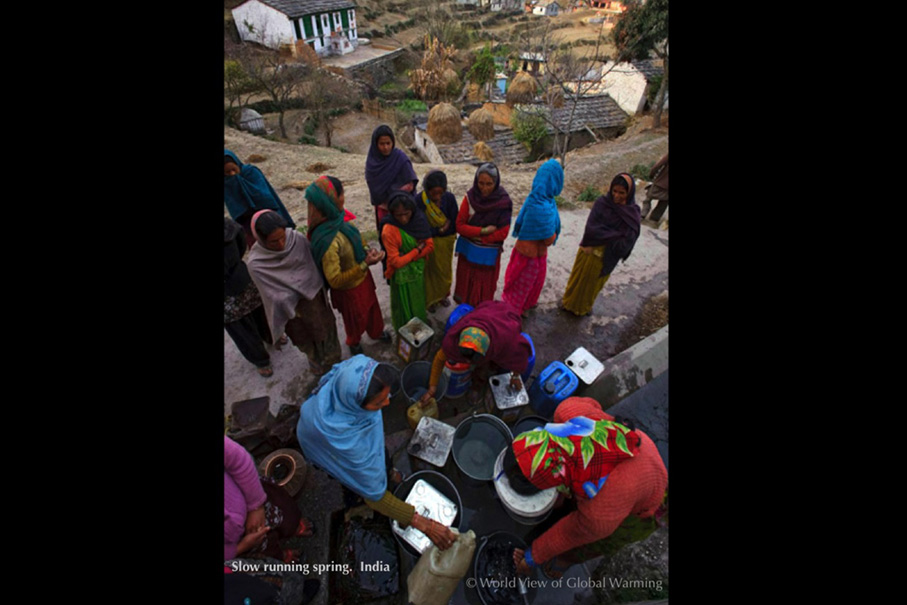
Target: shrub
[
  {"x": 641, "y": 171},
  {"x": 528, "y": 128},
  {"x": 589, "y": 194}
]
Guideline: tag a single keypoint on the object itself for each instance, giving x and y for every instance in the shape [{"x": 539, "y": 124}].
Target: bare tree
[
  {"x": 568, "y": 77},
  {"x": 327, "y": 95},
  {"x": 277, "y": 77}
]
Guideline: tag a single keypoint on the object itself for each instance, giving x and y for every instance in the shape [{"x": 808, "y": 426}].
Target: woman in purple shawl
[
  {"x": 611, "y": 232},
  {"x": 387, "y": 170},
  {"x": 483, "y": 224},
  {"x": 490, "y": 339}
]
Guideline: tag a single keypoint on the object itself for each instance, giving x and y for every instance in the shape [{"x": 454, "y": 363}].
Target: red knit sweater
[{"x": 635, "y": 487}]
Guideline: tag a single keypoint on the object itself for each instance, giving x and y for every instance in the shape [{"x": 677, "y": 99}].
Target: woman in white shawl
[{"x": 292, "y": 290}]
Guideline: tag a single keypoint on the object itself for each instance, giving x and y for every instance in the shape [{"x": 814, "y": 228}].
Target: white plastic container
[{"x": 435, "y": 577}]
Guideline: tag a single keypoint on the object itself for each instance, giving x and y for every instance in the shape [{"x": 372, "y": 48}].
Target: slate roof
[
  {"x": 596, "y": 112},
  {"x": 648, "y": 68},
  {"x": 299, "y": 8},
  {"x": 507, "y": 150}
]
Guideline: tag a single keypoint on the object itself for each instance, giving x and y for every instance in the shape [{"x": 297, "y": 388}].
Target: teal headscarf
[
  {"x": 538, "y": 218},
  {"x": 249, "y": 191},
  {"x": 323, "y": 195}
]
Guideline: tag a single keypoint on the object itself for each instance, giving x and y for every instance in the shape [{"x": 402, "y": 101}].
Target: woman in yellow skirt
[
  {"x": 611, "y": 232},
  {"x": 440, "y": 207}
]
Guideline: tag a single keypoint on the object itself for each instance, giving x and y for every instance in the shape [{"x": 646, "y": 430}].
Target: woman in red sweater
[
  {"x": 614, "y": 474},
  {"x": 483, "y": 224}
]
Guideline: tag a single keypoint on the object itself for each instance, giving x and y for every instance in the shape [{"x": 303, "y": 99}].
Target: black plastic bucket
[
  {"x": 440, "y": 483},
  {"x": 414, "y": 381},
  {"x": 477, "y": 442},
  {"x": 527, "y": 423},
  {"x": 494, "y": 571}
]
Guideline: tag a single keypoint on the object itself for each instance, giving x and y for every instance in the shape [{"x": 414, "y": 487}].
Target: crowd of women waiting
[
  {"x": 289, "y": 282},
  {"x": 280, "y": 285}
]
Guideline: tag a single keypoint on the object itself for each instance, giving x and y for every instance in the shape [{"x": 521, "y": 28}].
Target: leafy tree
[
  {"x": 642, "y": 31},
  {"x": 483, "y": 70},
  {"x": 529, "y": 126},
  {"x": 238, "y": 87}
]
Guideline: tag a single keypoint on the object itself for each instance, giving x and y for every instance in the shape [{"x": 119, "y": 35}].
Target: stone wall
[{"x": 376, "y": 72}]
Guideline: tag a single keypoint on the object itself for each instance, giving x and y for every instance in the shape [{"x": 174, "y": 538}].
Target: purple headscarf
[
  {"x": 614, "y": 226},
  {"x": 494, "y": 209},
  {"x": 417, "y": 227},
  {"x": 384, "y": 174}
]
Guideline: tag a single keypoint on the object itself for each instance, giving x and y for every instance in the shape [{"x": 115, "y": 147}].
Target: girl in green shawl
[{"x": 406, "y": 237}]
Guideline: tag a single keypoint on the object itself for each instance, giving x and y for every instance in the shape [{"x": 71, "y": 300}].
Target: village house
[
  {"x": 534, "y": 63},
  {"x": 505, "y": 5},
  {"x": 588, "y": 119},
  {"x": 627, "y": 83},
  {"x": 547, "y": 8},
  {"x": 328, "y": 26},
  {"x": 611, "y": 5}
]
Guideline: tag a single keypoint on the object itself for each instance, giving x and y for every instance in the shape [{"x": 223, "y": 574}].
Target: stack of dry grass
[
  {"x": 522, "y": 89},
  {"x": 444, "y": 124},
  {"x": 500, "y": 112},
  {"x": 483, "y": 152},
  {"x": 307, "y": 54},
  {"x": 554, "y": 96},
  {"x": 481, "y": 124},
  {"x": 474, "y": 93},
  {"x": 450, "y": 82}
]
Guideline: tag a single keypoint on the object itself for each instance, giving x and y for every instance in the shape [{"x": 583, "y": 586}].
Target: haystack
[
  {"x": 522, "y": 89},
  {"x": 444, "y": 124},
  {"x": 554, "y": 96},
  {"x": 500, "y": 112},
  {"x": 450, "y": 81},
  {"x": 474, "y": 93},
  {"x": 481, "y": 124},
  {"x": 483, "y": 152}
]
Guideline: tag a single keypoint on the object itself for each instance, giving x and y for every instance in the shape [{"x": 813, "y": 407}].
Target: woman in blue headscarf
[
  {"x": 341, "y": 431},
  {"x": 246, "y": 191},
  {"x": 537, "y": 226}
]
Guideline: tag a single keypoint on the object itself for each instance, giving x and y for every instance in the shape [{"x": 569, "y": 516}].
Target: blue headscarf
[
  {"x": 538, "y": 218},
  {"x": 341, "y": 437},
  {"x": 250, "y": 191}
]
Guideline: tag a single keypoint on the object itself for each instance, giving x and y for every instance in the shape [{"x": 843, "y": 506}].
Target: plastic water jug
[
  {"x": 435, "y": 577},
  {"x": 554, "y": 384}
]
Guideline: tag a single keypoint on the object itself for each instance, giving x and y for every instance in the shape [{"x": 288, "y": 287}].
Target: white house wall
[
  {"x": 270, "y": 27},
  {"x": 427, "y": 147},
  {"x": 626, "y": 85}
]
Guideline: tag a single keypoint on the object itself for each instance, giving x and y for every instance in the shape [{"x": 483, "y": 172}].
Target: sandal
[
  {"x": 445, "y": 302},
  {"x": 386, "y": 336},
  {"x": 306, "y": 528},
  {"x": 280, "y": 342},
  {"x": 266, "y": 372},
  {"x": 291, "y": 555}
]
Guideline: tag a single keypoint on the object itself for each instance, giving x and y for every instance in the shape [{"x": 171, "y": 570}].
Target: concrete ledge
[{"x": 630, "y": 370}]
